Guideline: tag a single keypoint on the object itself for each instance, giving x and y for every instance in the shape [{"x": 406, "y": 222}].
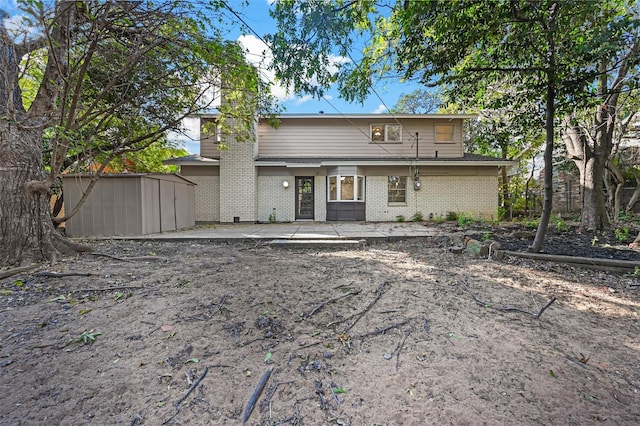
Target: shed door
[{"x": 304, "y": 197}]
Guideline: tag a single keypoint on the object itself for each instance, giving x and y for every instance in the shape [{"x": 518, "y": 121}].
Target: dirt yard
[{"x": 396, "y": 333}]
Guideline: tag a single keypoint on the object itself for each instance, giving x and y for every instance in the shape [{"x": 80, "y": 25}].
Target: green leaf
[
  {"x": 339, "y": 390},
  {"x": 194, "y": 360},
  {"x": 267, "y": 357},
  {"x": 553, "y": 374}
]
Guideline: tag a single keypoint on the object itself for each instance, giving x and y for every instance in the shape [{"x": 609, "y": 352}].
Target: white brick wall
[
  {"x": 320, "y": 184},
  {"x": 476, "y": 196},
  {"x": 207, "y": 197},
  {"x": 238, "y": 178},
  {"x": 272, "y": 194}
]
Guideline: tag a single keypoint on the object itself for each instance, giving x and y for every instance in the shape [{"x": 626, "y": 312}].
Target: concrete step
[{"x": 317, "y": 243}]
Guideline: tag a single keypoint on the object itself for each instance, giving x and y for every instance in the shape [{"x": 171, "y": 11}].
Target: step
[{"x": 315, "y": 243}]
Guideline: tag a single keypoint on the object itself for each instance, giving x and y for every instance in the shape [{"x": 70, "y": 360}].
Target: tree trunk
[
  {"x": 590, "y": 162},
  {"x": 547, "y": 202},
  {"x": 26, "y": 230},
  {"x": 617, "y": 190}
]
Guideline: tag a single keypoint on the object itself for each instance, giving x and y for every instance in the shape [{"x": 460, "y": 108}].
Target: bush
[{"x": 417, "y": 217}]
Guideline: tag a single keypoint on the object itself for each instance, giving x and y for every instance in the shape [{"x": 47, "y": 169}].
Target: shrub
[{"x": 417, "y": 217}]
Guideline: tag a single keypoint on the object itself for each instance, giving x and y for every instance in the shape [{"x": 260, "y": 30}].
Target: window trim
[
  {"x": 386, "y": 132},
  {"x": 359, "y": 186},
  {"x": 453, "y": 133},
  {"x": 389, "y": 190}
]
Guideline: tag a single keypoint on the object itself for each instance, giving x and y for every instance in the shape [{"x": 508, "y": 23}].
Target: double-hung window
[
  {"x": 397, "y": 191},
  {"x": 389, "y": 133}
]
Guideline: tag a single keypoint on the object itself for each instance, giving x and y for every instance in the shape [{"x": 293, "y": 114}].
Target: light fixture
[{"x": 285, "y": 184}]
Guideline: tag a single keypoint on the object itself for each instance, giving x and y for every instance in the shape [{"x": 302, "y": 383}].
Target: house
[{"x": 336, "y": 167}]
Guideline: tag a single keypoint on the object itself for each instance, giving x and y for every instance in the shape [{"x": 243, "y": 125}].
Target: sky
[{"x": 255, "y": 15}]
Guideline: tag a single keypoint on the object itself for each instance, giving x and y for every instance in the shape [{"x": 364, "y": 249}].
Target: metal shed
[{"x": 129, "y": 204}]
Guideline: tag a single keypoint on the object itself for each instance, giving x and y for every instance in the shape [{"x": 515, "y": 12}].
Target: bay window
[{"x": 346, "y": 188}]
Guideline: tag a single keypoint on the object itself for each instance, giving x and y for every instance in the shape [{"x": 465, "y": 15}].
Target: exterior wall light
[{"x": 285, "y": 184}]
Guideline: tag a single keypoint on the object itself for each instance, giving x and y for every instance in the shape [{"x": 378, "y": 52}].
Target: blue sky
[{"x": 256, "y": 15}]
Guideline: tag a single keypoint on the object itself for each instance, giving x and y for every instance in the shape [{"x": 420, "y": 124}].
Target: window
[
  {"x": 211, "y": 130},
  {"x": 346, "y": 188},
  {"x": 444, "y": 133},
  {"x": 397, "y": 189},
  {"x": 386, "y": 133}
]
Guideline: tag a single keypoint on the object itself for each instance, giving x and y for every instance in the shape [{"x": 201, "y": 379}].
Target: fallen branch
[
  {"x": 381, "y": 290},
  {"x": 359, "y": 315},
  {"x": 406, "y": 335},
  {"x": 536, "y": 315},
  {"x": 129, "y": 259},
  {"x": 326, "y": 302},
  {"x": 191, "y": 389},
  {"x": 15, "y": 271},
  {"x": 65, "y": 274},
  {"x": 121, "y": 287},
  {"x": 255, "y": 395},
  {"x": 608, "y": 265},
  {"x": 382, "y": 330}
]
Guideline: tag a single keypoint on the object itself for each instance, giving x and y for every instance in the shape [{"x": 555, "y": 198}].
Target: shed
[{"x": 129, "y": 204}]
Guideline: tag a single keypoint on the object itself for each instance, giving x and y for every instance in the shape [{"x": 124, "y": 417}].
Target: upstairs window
[
  {"x": 211, "y": 130},
  {"x": 397, "y": 189},
  {"x": 444, "y": 133},
  {"x": 391, "y": 133}
]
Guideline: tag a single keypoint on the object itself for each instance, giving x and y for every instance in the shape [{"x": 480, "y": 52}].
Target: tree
[
  {"x": 105, "y": 79},
  {"x": 549, "y": 47},
  {"x": 590, "y": 141},
  {"x": 419, "y": 101}
]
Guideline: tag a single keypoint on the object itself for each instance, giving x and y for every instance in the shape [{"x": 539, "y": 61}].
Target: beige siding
[
  {"x": 336, "y": 137},
  {"x": 208, "y": 143}
]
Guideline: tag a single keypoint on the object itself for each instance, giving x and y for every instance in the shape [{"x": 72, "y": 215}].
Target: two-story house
[{"x": 354, "y": 167}]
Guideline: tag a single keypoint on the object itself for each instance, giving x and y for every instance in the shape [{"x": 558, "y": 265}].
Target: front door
[{"x": 304, "y": 197}]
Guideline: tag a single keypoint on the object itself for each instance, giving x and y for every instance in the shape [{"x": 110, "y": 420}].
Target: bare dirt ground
[{"x": 396, "y": 333}]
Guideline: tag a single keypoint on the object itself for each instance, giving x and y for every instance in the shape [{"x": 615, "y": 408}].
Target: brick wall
[
  {"x": 207, "y": 193},
  {"x": 273, "y": 195},
  {"x": 476, "y": 196},
  {"x": 238, "y": 178}
]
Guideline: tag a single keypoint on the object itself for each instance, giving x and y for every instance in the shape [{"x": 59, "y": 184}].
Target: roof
[
  {"x": 467, "y": 160},
  {"x": 158, "y": 176},
  {"x": 192, "y": 160},
  {"x": 367, "y": 116}
]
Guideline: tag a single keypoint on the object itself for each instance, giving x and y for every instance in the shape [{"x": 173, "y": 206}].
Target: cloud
[
  {"x": 259, "y": 55},
  {"x": 303, "y": 99},
  {"x": 382, "y": 109}
]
